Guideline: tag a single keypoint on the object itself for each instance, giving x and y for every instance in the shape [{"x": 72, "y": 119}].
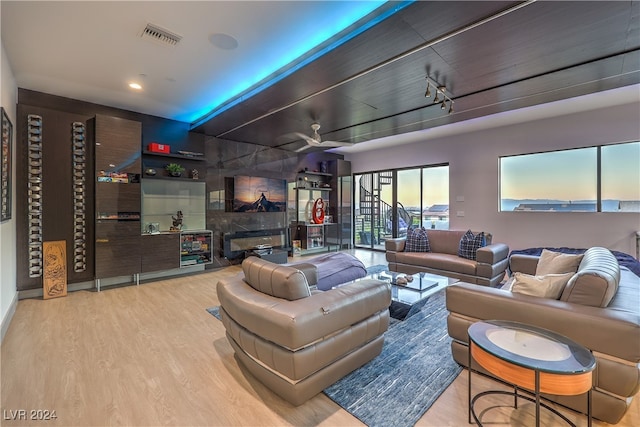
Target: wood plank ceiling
[{"x": 491, "y": 56}]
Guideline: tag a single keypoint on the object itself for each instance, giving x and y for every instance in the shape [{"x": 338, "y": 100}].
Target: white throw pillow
[
  {"x": 557, "y": 263},
  {"x": 547, "y": 286}
]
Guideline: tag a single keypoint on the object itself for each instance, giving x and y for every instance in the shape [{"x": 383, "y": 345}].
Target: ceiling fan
[{"x": 316, "y": 141}]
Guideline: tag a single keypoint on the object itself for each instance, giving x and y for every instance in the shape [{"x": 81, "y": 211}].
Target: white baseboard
[{"x": 9, "y": 316}]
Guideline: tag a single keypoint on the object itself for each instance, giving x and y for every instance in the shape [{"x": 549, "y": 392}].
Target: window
[
  {"x": 568, "y": 181},
  {"x": 620, "y": 175},
  {"x": 435, "y": 197}
]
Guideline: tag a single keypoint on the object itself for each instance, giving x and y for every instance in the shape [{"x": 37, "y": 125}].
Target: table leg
[
  {"x": 469, "y": 381},
  {"x": 537, "y": 398},
  {"x": 589, "y": 408}
]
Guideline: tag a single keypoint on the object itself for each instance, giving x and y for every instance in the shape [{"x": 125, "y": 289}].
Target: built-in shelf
[
  {"x": 175, "y": 156},
  {"x": 314, "y": 188},
  {"x": 314, "y": 173},
  {"x": 172, "y": 178},
  {"x": 196, "y": 248}
]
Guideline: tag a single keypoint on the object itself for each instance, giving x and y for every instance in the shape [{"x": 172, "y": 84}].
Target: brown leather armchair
[{"x": 297, "y": 342}]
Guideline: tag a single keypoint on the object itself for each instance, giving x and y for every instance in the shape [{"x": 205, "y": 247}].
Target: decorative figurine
[
  {"x": 194, "y": 173},
  {"x": 177, "y": 222}
]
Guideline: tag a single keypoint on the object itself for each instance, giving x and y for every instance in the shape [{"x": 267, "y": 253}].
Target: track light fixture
[{"x": 440, "y": 91}]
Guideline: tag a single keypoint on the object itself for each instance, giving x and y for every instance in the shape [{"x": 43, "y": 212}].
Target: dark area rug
[
  {"x": 401, "y": 311},
  {"x": 414, "y": 368},
  {"x": 214, "y": 311}
]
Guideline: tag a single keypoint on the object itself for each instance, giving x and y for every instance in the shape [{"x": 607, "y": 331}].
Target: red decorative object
[
  {"x": 318, "y": 211},
  {"x": 154, "y": 147}
]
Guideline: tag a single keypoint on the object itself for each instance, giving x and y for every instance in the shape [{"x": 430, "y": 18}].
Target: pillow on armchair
[
  {"x": 547, "y": 286},
  {"x": 551, "y": 262}
]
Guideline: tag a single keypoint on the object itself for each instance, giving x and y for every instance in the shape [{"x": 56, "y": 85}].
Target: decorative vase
[{"x": 175, "y": 174}]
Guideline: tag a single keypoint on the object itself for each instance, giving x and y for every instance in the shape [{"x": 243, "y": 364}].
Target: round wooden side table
[{"x": 533, "y": 359}]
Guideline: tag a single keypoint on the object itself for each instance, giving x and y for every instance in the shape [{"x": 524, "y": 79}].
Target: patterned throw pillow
[
  {"x": 469, "y": 244},
  {"x": 417, "y": 240}
]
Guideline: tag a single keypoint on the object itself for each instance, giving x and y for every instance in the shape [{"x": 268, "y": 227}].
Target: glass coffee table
[
  {"x": 405, "y": 296},
  {"x": 531, "y": 359}
]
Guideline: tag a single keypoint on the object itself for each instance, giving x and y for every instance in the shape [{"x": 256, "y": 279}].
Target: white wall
[
  {"x": 473, "y": 168},
  {"x": 8, "y": 293}
]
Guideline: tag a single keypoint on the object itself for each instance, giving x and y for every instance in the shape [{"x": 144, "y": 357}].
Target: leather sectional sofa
[
  {"x": 487, "y": 269},
  {"x": 295, "y": 341},
  {"x": 599, "y": 308}
]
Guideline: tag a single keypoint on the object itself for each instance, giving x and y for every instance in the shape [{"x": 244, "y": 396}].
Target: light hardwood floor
[{"x": 151, "y": 355}]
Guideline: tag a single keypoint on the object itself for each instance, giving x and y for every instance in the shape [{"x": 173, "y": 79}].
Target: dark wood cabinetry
[
  {"x": 117, "y": 144},
  {"x": 118, "y": 247},
  {"x": 47, "y": 179},
  {"x": 160, "y": 251},
  {"x": 73, "y": 205},
  {"x": 117, "y": 195},
  {"x": 114, "y": 198}
]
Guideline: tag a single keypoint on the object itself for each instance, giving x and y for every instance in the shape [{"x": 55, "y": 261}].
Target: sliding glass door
[{"x": 387, "y": 203}]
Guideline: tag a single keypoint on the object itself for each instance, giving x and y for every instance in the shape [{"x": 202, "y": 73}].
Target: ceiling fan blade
[
  {"x": 336, "y": 144},
  {"x": 299, "y": 135},
  {"x": 317, "y": 142}
]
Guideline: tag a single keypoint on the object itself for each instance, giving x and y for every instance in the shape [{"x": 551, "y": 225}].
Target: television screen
[{"x": 256, "y": 194}]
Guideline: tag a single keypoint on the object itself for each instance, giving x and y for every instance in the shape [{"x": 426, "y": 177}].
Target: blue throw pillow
[
  {"x": 417, "y": 240},
  {"x": 470, "y": 243}
]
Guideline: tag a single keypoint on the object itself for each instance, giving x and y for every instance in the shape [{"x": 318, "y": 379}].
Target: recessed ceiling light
[
  {"x": 135, "y": 86},
  {"x": 223, "y": 41}
]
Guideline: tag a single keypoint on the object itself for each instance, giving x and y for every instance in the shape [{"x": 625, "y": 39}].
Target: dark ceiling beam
[
  {"x": 382, "y": 64},
  {"x": 373, "y": 86},
  {"x": 460, "y": 97}
]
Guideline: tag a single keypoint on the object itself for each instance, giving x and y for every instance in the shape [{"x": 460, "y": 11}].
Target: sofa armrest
[
  {"x": 309, "y": 270},
  {"x": 296, "y": 324},
  {"x": 612, "y": 332},
  {"x": 395, "y": 245},
  {"x": 492, "y": 254},
  {"x": 392, "y": 247}
]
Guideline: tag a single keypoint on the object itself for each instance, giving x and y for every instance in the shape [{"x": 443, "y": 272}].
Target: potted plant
[{"x": 174, "y": 169}]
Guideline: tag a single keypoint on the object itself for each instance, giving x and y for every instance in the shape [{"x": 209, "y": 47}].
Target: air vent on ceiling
[{"x": 165, "y": 37}]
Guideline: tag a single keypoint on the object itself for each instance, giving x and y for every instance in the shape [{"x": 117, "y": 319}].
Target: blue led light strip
[{"x": 287, "y": 72}]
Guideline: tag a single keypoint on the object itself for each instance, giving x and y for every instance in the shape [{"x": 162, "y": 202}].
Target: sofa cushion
[
  {"x": 417, "y": 240},
  {"x": 445, "y": 241},
  {"x": 276, "y": 280},
  {"x": 438, "y": 261},
  {"x": 547, "y": 286},
  {"x": 469, "y": 244},
  {"x": 557, "y": 263}
]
